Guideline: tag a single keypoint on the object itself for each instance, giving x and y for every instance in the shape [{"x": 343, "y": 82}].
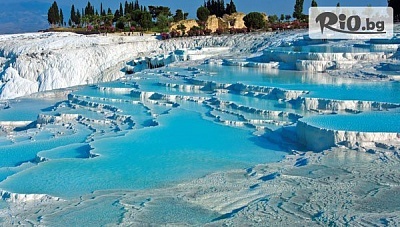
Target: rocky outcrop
[
  {"x": 213, "y": 22},
  {"x": 187, "y": 23},
  {"x": 318, "y": 139},
  {"x": 235, "y": 20}
]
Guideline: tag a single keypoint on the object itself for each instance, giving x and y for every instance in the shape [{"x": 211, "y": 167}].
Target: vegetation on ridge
[{"x": 131, "y": 16}]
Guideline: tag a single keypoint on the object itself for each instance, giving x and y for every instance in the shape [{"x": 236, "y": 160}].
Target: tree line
[
  {"x": 55, "y": 16},
  {"x": 218, "y": 8},
  {"x": 128, "y": 17},
  {"x": 133, "y": 16}
]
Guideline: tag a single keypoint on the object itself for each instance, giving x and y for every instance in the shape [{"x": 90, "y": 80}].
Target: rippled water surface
[{"x": 161, "y": 127}]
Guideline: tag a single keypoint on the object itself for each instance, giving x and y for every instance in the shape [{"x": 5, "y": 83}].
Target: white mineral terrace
[{"x": 306, "y": 131}]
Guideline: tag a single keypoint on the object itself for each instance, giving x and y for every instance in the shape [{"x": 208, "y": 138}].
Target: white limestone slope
[
  {"x": 37, "y": 62},
  {"x": 319, "y": 139},
  {"x": 40, "y": 62}
]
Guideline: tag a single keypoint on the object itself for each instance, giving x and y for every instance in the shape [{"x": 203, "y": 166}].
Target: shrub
[
  {"x": 195, "y": 31},
  {"x": 207, "y": 31},
  {"x": 174, "y": 34},
  {"x": 164, "y": 36},
  {"x": 219, "y": 31},
  {"x": 203, "y": 13},
  {"x": 237, "y": 30},
  {"x": 254, "y": 20},
  {"x": 120, "y": 24}
]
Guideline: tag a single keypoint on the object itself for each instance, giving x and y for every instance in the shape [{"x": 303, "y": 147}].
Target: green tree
[
  {"x": 203, "y": 13},
  {"x": 145, "y": 20},
  {"x": 121, "y": 10},
  {"x": 155, "y": 11},
  {"x": 89, "y": 10},
  {"x": 136, "y": 6},
  {"x": 314, "y": 3},
  {"x": 120, "y": 24},
  {"x": 273, "y": 18},
  {"x": 221, "y": 8},
  {"x": 135, "y": 16},
  {"x": 78, "y": 17},
  {"x": 288, "y": 17},
  {"x": 108, "y": 19},
  {"x": 216, "y": 7},
  {"x": 117, "y": 15},
  {"x": 126, "y": 8},
  {"x": 230, "y": 8},
  {"x": 61, "y": 17},
  {"x": 102, "y": 11},
  {"x": 254, "y": 20},
  {"x": 53, "y": 14},
  {"x": 162, "y": 22},
  {"x": 72, "y": 15},
  {"x": 298, "y": 9},
  {"x": 282, "y": 18},
  {"x": 178, "y": 15}
]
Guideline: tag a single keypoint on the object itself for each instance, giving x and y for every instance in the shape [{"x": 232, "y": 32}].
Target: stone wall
[
  {"x": 235, "y": 20},
  {"x": 213, "y": 22},
  {"x": 188, "y": 24}
]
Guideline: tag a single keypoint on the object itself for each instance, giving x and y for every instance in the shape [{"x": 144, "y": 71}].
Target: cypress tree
[
  {"x": 179, "y": 15},
  {"x": 314, "y": 3},
  {"x": 137, "y": 6},
  {"x": 298, "y": 9},
  {"x": 73, "y": 15},
  {"x": 230, "y": 8},
  {"x": 121, "y": 10},
  {"x": 126, "y": 10},
  {"x": 89, "y": 10},
  {"x": 117, "y": 15},
  {"x": 53, "y": 14},
  {"x": 78, "y": 17},
  {"x": 61, "y": 17}
]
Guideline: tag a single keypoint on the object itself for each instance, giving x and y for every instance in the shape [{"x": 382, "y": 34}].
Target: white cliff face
[
  {"x": 45, "y": 61},
  {"x": 319, "y": 62},
  {"x": 40, "y": 62},
  {"x": 319, "y": 139},
  {"x": 15, "y": 86},
  {"x": 23, "y": 198}
]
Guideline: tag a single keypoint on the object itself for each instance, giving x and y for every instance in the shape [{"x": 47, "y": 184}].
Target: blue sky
[{"x": 18, "y": 16}]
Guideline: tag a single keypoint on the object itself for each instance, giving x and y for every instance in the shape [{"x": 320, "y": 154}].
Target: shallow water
[
  {"x": 25, "y": 109},
  {"x": 319, "y": 85},
  {"x": 378, "y": 121},
  {"x": 184, "y": 146},
  {"x": 141, "y": 133},
  {"x": 327, "y": 49}
]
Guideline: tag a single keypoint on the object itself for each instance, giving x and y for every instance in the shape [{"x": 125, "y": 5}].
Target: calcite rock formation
[{"x": 213, "y": 22}]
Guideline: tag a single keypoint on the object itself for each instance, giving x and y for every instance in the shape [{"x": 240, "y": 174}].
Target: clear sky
[{"x": 31, "y": 15}]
